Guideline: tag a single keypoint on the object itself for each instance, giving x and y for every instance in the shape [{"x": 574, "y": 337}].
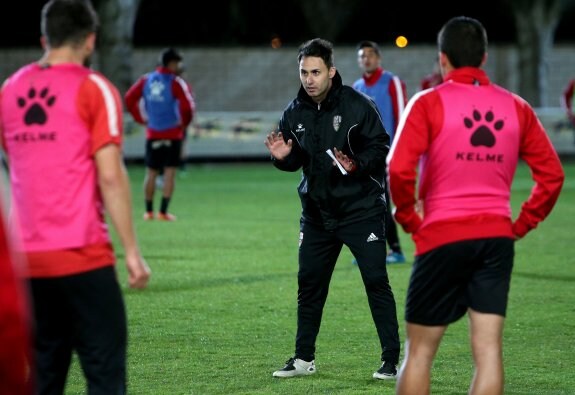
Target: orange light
[
  {"x": 276, "y": 42},
  {"x": 401, "y": 41}
]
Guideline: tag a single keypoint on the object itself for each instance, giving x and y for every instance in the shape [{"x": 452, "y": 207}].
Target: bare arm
[{"x": 115, "y": 188}]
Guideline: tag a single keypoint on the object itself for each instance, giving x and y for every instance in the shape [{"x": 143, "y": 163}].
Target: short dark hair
[
  {"x": 464, "y": 41},
  {"x": 68, "y": 22},
  {"x": 369, "y": 44},
  {"x": 170, "y": 55},
  {"x": 319, "y": 48}
]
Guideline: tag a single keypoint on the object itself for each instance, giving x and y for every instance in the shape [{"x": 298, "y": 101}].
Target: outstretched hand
[{"x": 277, "y": 146}]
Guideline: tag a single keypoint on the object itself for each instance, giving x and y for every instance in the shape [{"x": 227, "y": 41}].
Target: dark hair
[
  {"x": 369, "y": 44},
  {"x": 464, "y": 41},
  {"x": 68, "y": 22},
  {"x": 318, "y": 48},
  {"x": 170, "y": 55}
]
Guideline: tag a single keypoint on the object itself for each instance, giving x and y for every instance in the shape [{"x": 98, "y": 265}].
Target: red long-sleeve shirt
[{"x": 466, "y": 136}]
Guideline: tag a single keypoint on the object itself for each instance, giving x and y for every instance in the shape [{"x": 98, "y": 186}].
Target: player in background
[
  {"x": 390, "y": 95},
  {"x": 567, "y": 101},
  {"x": 432, "y": 79},
  {"x": 163, "y": 102}
]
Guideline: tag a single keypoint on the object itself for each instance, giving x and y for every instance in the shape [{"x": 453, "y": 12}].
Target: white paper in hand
[{"x": 332, "y": 156}]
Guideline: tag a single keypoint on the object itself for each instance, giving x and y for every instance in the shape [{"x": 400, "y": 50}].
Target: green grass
[{"x": 219, "y": 315}]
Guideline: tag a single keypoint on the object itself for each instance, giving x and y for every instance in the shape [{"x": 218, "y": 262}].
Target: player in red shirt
[
  {"x": 61, "y": 129},
  {"x": 162, "y": 101},
  {"x": 451, "y": 169}
]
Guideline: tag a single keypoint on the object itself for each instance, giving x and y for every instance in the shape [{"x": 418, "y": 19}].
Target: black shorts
[
  {"x": 82, "y": 313},
  {"x": 163, "y": 153},
  {"x": 448, "y": 280}
]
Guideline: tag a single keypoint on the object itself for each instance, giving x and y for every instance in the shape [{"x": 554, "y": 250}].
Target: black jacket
[{"x": 349, "y": 121}]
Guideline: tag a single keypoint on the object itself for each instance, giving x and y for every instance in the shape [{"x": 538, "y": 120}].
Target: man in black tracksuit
[{"x": 336, "y": 136}]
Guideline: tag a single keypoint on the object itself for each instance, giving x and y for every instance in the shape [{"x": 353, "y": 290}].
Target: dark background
[{"x": 180, "y": 22}]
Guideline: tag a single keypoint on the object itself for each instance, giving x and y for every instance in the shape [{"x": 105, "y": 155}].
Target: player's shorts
[
  {"x": 163, "y": 153},
  {"x": 448, "y": 280}
]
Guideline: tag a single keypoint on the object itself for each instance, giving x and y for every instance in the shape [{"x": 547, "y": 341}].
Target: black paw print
[
  {"x": 36, "y": 113},
  {"x": 483, "y": 135}
]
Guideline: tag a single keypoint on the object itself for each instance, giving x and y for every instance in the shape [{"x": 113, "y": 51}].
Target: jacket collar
[
  {"x": 468, "y": 75},
  {"x": 164, "y": 70},
  {"x": 374, "y": 77}
]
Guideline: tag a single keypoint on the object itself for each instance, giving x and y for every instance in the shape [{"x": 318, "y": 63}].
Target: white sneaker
[
  {"x": 296, "y": 367},
  {"x": 387, "y": 371}
]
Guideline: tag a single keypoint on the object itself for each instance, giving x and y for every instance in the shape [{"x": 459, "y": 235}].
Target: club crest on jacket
[{"x": 336, "y": 122}]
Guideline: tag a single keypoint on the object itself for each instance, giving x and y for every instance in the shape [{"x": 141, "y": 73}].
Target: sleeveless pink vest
[
  {"x": 471, "y": 162},
  {"x": 53, "y": 175}
]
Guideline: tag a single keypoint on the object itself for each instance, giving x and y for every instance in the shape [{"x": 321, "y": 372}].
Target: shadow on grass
[
  {"x": 545, "y": 277},
  {"x": 183, "y": 283},
  {"x": 203, "y": 283}
]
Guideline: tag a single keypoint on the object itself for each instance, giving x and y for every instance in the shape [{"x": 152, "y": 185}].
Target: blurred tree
[
  {"x": 536, "y": 21},
  {"x": 115, "y": 40}
]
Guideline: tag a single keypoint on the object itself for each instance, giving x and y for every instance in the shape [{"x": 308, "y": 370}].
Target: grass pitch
[{"x": 219, "y": 315}]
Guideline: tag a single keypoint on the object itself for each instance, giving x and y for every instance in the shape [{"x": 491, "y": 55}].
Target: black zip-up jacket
[{"x": 349, "y": 121}]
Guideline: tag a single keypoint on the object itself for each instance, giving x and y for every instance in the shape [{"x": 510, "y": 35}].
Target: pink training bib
[
  {"x": 52, "y": 171},
  {"x": 474, "y": 156}
]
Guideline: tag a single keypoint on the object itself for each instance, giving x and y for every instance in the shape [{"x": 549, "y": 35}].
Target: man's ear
[
  {"x": 444, "y": 64},
  {"x": 484, "y": 60},
  {"x": 332, "y": 72},
  {"x": 91, "y": 42}
]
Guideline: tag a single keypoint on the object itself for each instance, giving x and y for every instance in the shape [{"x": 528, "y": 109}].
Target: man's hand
[
  {"x": 277, "y": 146},
  {"x": 138, "y": 271},
  {"x": 347, "y": 163}
]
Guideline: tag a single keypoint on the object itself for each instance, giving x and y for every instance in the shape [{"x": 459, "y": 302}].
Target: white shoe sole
[
  {"x": 380, "y": 376},
  {"x": 298, "y": 371},
  {"x": 291, "y": 373}
]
